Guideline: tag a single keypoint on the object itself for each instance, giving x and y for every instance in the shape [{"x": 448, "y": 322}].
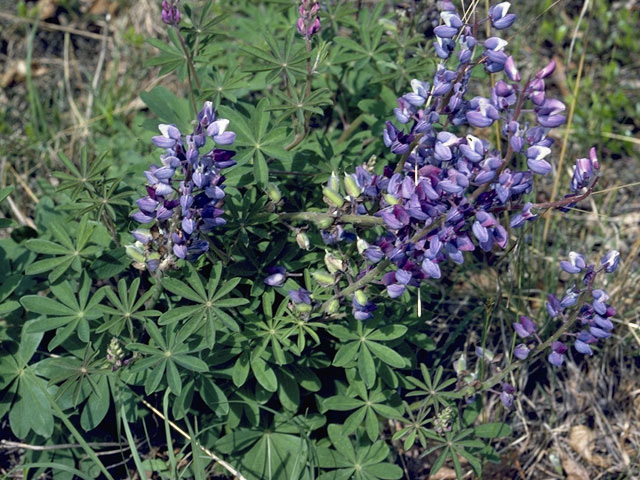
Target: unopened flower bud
[
  {"x": 333, "y": 263},
  {"x": 324, "y": 222},
  {"x": 303, "y": 307},
  {"x": 274, "y": 193},
  {"x": 351, "y": 186},
  {"x": 333, "y": 306},
  {"x": 334, "y": 182},
  {"x": 460, "y": 365},
  {"x": 362, "y": 245},
  {"x": 135, "y": 253},
  {"x": 391, "y": 200},
  {"x": 323, "y": 278},
  {"x": 361, "y": 297},
  {"x": 302, "y": 239},
  {"x": 332, "y": 198}
]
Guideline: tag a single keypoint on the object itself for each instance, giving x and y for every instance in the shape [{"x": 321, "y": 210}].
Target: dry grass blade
[
  {"x": 565, "y": 138},
  {"x": 208, "y": 452}
]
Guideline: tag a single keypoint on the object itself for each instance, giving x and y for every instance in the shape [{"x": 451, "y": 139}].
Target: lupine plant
[{"x": 276, "y": 299}]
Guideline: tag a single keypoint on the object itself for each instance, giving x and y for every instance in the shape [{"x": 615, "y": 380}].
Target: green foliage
[{"x": 279, "y": 391}]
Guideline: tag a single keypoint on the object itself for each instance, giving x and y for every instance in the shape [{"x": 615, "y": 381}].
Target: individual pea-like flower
[
  {"x": 362, "y": 308},
  {"x": 549, "y": 113},
  {"x": 521, "y": 351},
  {"x": 553, "y": 306},
  {"x": 397, "y": 282},
  {"x": 558, "y": 349},
  {"x": 610, "y": 261},
  {"x": 583, "y": 341},
  {"x": 575, "y": 264},
  {"x": 452, "y": 24},
  {"x": 500, "y": 18},
  {"x": 585, "y": 171},
  {"x": 511, "y": 70},
  {"x": 277, "y": 276},
  {"x": 507, "y": 394},
  {"x": 535, "y": 160},
  {"x": 547, "y": 70},
  {"x": 300, "y": 296},
  {"x": 599, "y": 299},
  {"x": 482, "y": 113},
  {"x": 570, "y": 298},
  {"x": 525, "y": 327},
  {"x": 496, "y": 57},
  {"x": 526, "y": 215}
]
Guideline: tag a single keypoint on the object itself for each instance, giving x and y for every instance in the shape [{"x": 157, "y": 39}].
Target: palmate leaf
[
  {"x": 433, "y": 389},
  {"x": 67, "y": 253},
  {"x": 170, "y": 56},
  {"x": 455, "y": 443},
  {"x": 367, "y": 406},
  {"x": 286, "y": 58},
  {"x": 257, "y": 140},
  {"x": 85, "y": 178},
  {"x": 211, "y": 302},
  {"x": 67, "y": 313},
  {"x": 101, "y": 202},
  {"x": 299, "y": 104},
  {"x": 363, "y": 345},
  {"x": 21, "y": 392},
  {"x": 273, "y": 453},
  {"x": 362, "y": 462},
  {"x": 163, "y": 356},
  {"x": 127, "y": 307},
  {"x": 76, "y": 376},
  {"x": 226, "y": 85}
]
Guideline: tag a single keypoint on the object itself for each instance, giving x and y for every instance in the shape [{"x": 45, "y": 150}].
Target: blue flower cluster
[
  {"x": 448, "y": 192},
  {"x": 185, "y": 194},
  {"x": 594, "y": 315}
]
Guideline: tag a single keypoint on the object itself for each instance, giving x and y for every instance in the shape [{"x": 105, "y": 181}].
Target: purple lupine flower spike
[
  {"x": 185, "y": 194},
  {"x": 308, "y": 23},
  {"x": 170, "y": 12}
]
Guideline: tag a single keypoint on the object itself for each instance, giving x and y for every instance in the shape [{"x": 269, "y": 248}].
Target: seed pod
[{"x": 274, "y": 193}]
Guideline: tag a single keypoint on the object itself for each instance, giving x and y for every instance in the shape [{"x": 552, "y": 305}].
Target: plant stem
[
  {"x": 367, "y": 220},
  {"x": 192, "y": 70},
  {"x": 493, "y": 380}
]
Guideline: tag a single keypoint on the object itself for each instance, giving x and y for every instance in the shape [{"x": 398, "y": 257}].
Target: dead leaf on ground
[
  {"x": 573, "y": 469},
  {"x": 444, "y": 473},
  {"x": 16, "y": 72},
  {"x": 582, "y": 439},
  {"x": 46, "y": 8}
]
